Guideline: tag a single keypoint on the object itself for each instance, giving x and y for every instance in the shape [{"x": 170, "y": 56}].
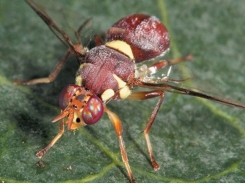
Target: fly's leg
[
  {"x": 144, "y": 73},
  {"x": 52, "y": 75},
  {"x": 162, "y": 64},
  {"x": 141, "y": 95},
  {"x": 73, "y": 47},
  {"x": 40, "y": 153},
  {"x": 98, "y": 40},
  {"x": 118, "y": 127}
]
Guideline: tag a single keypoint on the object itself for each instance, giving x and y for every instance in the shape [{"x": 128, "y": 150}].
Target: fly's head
[{"x": 80, "y": 106}]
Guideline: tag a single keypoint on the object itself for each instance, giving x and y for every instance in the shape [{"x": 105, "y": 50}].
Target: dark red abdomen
[{"x": 146, "y": 35}]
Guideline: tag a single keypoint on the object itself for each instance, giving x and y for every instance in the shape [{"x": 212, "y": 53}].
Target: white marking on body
[
  {"x": 79, "y": 80},
  {"x": 121, "y": 46},
  {"x": 78, "y": 76},
  {"x": 107, "y": 94},
  {"x": 124, "y": 90}
]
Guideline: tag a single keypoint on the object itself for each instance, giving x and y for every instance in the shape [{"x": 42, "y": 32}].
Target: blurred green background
[{"x": 193, "y": 140}]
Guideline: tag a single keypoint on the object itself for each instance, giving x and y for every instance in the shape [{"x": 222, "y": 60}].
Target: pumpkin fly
[{"x": 109, "y": 72}]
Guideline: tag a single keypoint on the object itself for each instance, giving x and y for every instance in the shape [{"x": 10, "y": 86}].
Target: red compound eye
[
  {"x": 66, "y": 95},
  {"x": 93, "y": 111}
]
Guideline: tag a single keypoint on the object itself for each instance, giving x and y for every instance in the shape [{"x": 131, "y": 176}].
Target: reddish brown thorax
[{"x": 101, "y": 63}]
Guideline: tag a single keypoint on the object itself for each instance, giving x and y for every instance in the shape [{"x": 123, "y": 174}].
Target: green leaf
[{"x": 193, "y": 140}]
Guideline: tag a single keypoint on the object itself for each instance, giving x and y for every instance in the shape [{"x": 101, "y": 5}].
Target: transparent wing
[
  {"x": 177, "y": 77},
  {"x": 173, "y": 88}
]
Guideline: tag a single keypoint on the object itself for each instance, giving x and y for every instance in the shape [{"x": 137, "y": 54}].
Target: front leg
[
  {"x": 42, "y": 152},
  {"x": 118, "y": 127}
]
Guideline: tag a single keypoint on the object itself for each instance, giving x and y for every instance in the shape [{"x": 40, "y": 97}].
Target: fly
[{"x": 109, "y": 72}]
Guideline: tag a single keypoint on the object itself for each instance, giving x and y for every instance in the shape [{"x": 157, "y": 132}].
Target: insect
[{"x": 108, "y": 72}]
